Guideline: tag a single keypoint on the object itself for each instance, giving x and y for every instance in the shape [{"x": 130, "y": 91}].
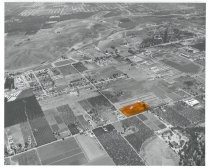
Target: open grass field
[
  {"x": 20, "y": 134},
  {"x": 157, "y": 153},
  {"x": 46, "y": 44},
  {"x": 16, "y": 134},
  {"x": 61, "y": 152},
  {"x": 187, "y": 68},
  {"x": 53, "y": 102},
  {"x": 26, "y": 158},
  {"x": 67, "y": 69},
  {"x": 63, "y": 62},
  {"x": 51, "y": 119},
  {"x": 91, "y": 147}
]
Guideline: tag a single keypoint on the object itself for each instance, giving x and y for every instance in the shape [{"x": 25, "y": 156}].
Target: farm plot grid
[{"x": 74, "y": 70}]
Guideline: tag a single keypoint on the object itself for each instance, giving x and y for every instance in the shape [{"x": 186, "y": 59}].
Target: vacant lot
[
  {"x": 64, "y": 62},
  {"x": 122, "y": 89}
]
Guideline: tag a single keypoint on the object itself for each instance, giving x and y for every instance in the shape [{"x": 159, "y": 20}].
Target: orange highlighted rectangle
[{"x": 135, "y": 108}]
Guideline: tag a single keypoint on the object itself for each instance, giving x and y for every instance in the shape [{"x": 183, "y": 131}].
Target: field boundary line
[
  {"x": 65, "y": 158},
  {"x": 38, "y": 156}
]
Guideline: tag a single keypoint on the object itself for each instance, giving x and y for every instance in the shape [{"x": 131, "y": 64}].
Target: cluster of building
[{"x": 175, "y": 139}]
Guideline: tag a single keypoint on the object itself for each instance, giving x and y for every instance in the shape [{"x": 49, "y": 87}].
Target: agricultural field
[
  {"x": 94, "y": 151},
  {"x": 192, "y": 114},
  {"x": 65, "y": 152},
  {"x": 42, "y": 131},
  {"x": 100, "y": 109},
  {"x": 79, "y": 66},
  {"x": 171, "y": 116},
  {"x": 27, "y": 158},
  {"x": 134, "y": 131},
  {"x": 117, "y": 147},
  {"x": 67, "y": 70},
  {"x": 151, "y": 121},
  {"x": 69, "y": 119},
  {"x": 187, "y": 68},
  {"x": 56, "y": 123},
  {"x": 190, "y": 85},
  {"x": 14, "y": 113}
]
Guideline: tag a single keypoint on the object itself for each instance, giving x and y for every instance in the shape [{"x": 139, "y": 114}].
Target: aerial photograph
[{"x": 113, "y": 83}]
